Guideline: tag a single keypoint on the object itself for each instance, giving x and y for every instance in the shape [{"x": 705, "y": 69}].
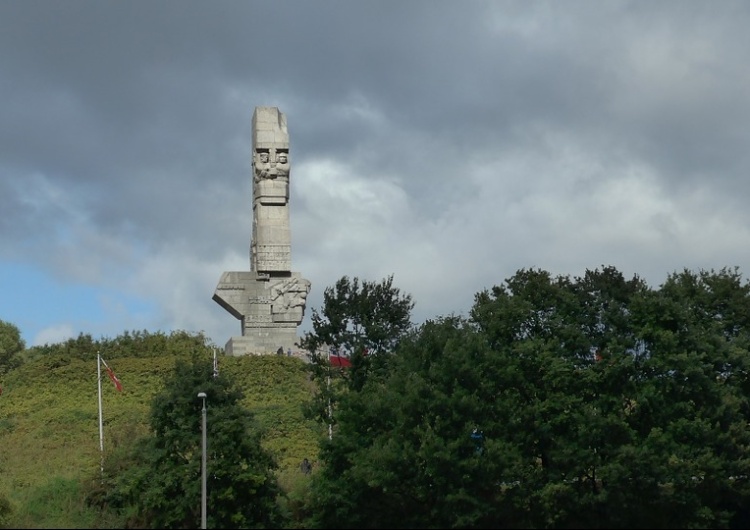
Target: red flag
[
  {"x": 340, "y": 360},
  {"x": 342, "y": 356},
  {"x": 339, "y": 357},
  {"x": 112, "y": 376}
]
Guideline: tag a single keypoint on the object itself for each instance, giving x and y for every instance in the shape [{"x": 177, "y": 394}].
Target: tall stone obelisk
[{"x": 269, "y": 299}]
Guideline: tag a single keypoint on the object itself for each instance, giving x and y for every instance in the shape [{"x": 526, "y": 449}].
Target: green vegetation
[
  {"x": 50, "y": 474},
  {"x": 558, "y": 402},
  {"x": 158, "y": 485},
  {"x": 363, "y": 321},
  {"x": 11, "y": 345},
  {"x": 590, "y": 402}
]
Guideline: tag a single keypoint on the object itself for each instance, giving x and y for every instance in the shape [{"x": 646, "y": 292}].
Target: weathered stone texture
[{"x": 269, "y": 299}]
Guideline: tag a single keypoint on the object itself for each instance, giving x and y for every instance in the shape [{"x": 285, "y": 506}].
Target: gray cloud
[{"x": 448, "y": 143}]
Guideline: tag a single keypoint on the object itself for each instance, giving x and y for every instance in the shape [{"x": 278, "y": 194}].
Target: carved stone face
[
  {"x": 263, "y": 158},
  {"x": 282, "y": 158}
]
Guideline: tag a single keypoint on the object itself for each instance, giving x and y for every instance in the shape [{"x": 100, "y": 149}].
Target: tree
[
  {"x": 357, "y": 316},
  {"x": 165, "y": 484},
  {"x": 363, "y": 320},
  {"x": 403, "y": 455},
  {"x": 11, "y": 344},
  {"x": 600, "y": 403}
]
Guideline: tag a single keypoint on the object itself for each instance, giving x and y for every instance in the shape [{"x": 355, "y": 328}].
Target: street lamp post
[{"x": 203, "y": 463}]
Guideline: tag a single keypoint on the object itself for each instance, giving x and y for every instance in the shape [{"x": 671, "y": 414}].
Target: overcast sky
[{"x": 447, "y": 143}]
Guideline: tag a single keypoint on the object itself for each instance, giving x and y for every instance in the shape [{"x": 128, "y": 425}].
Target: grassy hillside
[{"x": 49, "y": 426}]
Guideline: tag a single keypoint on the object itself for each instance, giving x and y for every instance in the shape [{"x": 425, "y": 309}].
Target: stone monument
[{"x": 269, "y": 299}]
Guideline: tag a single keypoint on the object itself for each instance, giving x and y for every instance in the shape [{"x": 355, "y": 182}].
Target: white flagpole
[
  {"x": 101, "y": 425},
  {"x": 330, "y": 411}
]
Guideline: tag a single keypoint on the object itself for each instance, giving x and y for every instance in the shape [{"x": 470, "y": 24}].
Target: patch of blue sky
[{"x": 36, "y": 302}]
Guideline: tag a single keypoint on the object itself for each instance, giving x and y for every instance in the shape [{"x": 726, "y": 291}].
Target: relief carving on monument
[
  {"x": 288, "y": 294},
  {"x": 262, "y": 164},
  {"x": 282, "y": 164},
  {"x": 268, "y": 165}
]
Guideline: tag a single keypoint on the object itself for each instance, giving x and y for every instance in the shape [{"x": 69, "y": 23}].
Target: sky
[{"x": 448, "y": 144}]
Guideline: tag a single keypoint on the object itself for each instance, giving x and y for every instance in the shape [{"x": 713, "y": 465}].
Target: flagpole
[
  {"x": 330, "y": 412},
  {"x": 101, "y": 425}
]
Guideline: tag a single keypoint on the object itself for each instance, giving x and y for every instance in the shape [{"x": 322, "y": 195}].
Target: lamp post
[{"x": 203, "y": 463}]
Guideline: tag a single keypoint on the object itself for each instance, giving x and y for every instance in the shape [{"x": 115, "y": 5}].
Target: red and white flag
[{"x": 112, "y": 375}]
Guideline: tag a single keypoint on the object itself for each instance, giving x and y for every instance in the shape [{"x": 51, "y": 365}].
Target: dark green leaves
[{"x": 602, "y": 403}]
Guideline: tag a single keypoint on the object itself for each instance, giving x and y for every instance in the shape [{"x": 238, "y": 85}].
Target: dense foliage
[
  {"x": 49, "y": 440},
  {"x": 361, "y": 320},
  {"x": 11, "y": 344},
  {"x": 588, "y": 402},
  {"x": 557, "y": 402},
  {"x": 163, "y": 479}
]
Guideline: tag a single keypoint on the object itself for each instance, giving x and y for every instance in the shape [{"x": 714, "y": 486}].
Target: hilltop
[{"x": 49, "y": 425}]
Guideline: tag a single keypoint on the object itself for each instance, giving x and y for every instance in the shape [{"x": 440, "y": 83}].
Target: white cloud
[
  {"x": 539, "y": 135},
  {"x": 54, "y": 335}
]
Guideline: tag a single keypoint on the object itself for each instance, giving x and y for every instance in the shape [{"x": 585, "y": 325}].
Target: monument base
[{"x": 264, "y": 345}]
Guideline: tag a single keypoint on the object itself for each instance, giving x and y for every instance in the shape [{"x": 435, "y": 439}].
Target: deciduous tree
[
  {"x": 11, "y": 344},
  {"x": 165, "y": 484},
  {"x": 360, "y": 319},
  {"x": 597, "y": 401}
]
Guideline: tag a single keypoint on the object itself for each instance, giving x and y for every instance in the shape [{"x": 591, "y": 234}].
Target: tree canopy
[
  {"x": 162, "y": 479},
  {"x": 359, "y": 315},
  {"x": 362, "y": 320},
  {"x": 11, "y": 344},
  {"x": 559, "y": 402}
]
